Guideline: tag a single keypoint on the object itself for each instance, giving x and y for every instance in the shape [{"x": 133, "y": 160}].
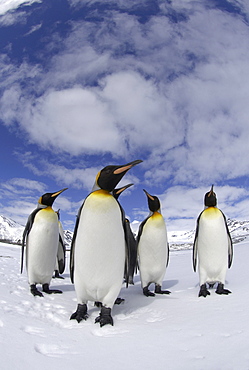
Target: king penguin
[
  {"x": 212, "y": 246},
  {"x": 97, "y": 258},
  {"x": 131, "y": 245},
  {"x": 41, "y": 235},
  {"x": 60, "y": 263},
  {"x": 153, "y": 248}
]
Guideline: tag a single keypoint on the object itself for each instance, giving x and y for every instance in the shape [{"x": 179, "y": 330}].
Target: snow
[{"x": 179, "y": 331}]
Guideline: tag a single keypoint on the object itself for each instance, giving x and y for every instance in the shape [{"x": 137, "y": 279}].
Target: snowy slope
[
  {"x": 179, "y": 331},
  {"x": 11, "y": 232}
]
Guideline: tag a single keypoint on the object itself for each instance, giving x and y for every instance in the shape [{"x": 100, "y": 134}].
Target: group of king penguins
[{"x": 105, "y": 253}]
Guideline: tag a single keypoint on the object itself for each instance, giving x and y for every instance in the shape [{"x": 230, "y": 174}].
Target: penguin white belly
[
  {"x": 212, "y": 246},
  {"x": 99, "y": 250},
  {"x": 152, "y": 250},
  {"x": 42, "y": 245}
]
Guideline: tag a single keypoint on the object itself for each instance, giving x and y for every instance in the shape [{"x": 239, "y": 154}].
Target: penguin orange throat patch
[
  {"x": 102, "y": 192},
  {"x": 212, "y": 212},
  {"x": 156, "y": 215}
]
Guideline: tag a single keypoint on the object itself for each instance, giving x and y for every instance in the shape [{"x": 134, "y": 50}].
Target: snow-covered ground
[{"x": 179, "y": 331}]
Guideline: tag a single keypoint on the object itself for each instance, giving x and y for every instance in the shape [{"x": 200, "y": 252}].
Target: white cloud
[
  {"x": 8, "y": 5},
  {"x": 176, "y": 93}
]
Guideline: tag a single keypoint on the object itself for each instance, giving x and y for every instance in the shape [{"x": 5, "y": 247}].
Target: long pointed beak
[
  {"x": 148, "y": 195},
  {"x": 54, "y": 195},
  {"x": 211, "y": 191},
  {"x": 126, "y": 167},
  {"x": 120, "y": 190}
]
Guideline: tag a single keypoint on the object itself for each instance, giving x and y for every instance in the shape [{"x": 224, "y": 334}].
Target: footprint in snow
[
  {"x": 53, "y": 350},
  {"x": 34, "y": 331}
]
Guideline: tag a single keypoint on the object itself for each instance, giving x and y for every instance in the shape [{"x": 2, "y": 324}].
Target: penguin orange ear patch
[{"x": 122, "y": 169}]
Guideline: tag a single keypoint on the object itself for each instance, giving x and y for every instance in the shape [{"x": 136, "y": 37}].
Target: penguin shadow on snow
[{"x": 135, "y": 299}]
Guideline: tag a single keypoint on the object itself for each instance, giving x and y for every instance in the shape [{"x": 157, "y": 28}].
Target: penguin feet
[
  {"x": 147, "y": 292},
  {"x": 203, "y": 291},
  {"x": 130, "y": 280},
  {"x": 119, "y": 300},
  {"x": 45, "y": 288},
  {"x": 220, "y": 289},
  {"x": 158, "y": 290},
  {"x": 57, "y": 275},
  {"x": 80, "y": 314},
  {"x": 104, "y": 317},
  {"x": 35, "y": 291}
]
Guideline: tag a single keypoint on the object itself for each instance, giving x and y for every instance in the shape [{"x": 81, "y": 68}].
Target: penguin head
[
  {"x": 116, "y": 192},
  {"x": 153, "y": 202},
  {"x": 210, "y": 199},
  {"x": 49, "y": 198},
  {"x": 110, "y": 176}
]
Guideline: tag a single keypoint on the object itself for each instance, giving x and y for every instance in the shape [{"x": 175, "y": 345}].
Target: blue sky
[{"x": 84, "y": 84}]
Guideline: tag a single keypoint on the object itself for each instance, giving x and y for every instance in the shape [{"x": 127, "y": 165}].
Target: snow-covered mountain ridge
[{"x": 11, "y": 232}]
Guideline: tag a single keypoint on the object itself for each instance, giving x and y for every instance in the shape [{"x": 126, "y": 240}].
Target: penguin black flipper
[
  {"x": 140, "y": 230},
  {"x": 26, "y": 232},
  {"x": 127, "y": 252},
  {"x": 167, "y": 262},
  {"x": 130, "y": 242},
  {"x": 195, "y": 242},
  {"x": 73, "y": 244},
  {"x": 62, "y": 254},
  {"x": 230, "y": 243},
  {"x": 131, "y": 250}
]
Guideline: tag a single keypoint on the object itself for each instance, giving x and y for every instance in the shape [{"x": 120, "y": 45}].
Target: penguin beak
[
  {"x": 54, "y": 195},
  {"x": 211, "y": 191},
  {"x": 126, "y": 167},
  {"x": 120, "y": 190},
  {"x": 148, "y": 195}
]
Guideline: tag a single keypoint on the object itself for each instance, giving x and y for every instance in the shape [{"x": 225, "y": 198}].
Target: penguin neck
[
  {"x": 42, "y": 206},
  {"x": 206, "y": 207},
  {"x": 154, "y": 213}
]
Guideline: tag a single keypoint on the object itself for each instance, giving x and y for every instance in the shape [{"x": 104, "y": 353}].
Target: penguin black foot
[
  {"x": 35, "y": 291},
  {"x": 158, "y": 290},
  {"x": 80, "y": 314},
  {"x": 147, "y": 292},
  {"x": 104, "y": 317},
  {"x": 220, "y": 289},
  {"x": 57, "y": 275},
  {"x": 119, "y": 300},
  {"x": 45, "y": 288},
  {"x": 203, "y": 291},
  {"x": 130, "y": 280}
]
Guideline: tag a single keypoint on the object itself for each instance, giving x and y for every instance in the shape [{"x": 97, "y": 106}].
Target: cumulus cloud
[{"x": 171, "y": 89}]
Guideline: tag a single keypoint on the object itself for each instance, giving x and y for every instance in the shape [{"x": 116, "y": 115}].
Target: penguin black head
[
  {"x": 116, "y": 192},
  {"x": 210, "y": 199},
  {"x": 110, "y": 176},
  {"x": 153, "y": 202},
  {"x": 49, "y": 198}
]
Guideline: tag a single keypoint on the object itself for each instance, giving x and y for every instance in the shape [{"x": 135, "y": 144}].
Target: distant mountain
[
  {"x": 11, "y": 232},
  {"x": 239, "y": 231}
]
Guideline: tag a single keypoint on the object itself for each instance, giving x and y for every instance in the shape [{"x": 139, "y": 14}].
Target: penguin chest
[
  {"x": 212, "y": 242},
  {"x": 152, "y": 247},
  {"x": 99, "y": 245},
  {"x": 42, "y": 244}
]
